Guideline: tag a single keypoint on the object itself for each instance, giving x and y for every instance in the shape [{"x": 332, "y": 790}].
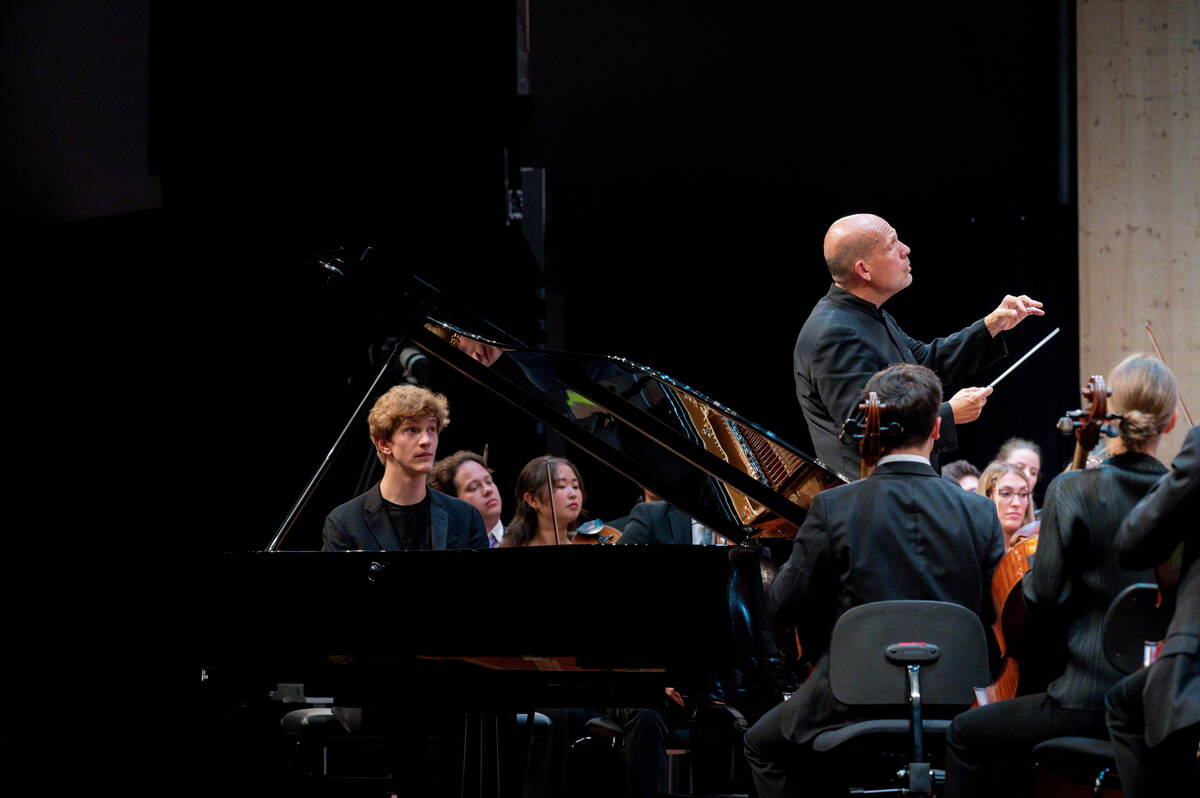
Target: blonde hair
[
  {"x": 1145, "y": 393},
  {"x": 401, "y": 403},
  {"x": 991, "y": 477}
]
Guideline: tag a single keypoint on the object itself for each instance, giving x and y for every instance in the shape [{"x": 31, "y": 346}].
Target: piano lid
[{"x": 726, "y": 471}]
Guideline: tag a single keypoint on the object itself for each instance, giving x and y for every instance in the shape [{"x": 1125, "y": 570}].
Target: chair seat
[
  {"x": 828, "y": 740},
  {"x": 1074, "y": 752}
]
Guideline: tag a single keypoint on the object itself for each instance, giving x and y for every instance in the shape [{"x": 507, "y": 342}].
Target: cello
[{"x": 866, "y": 429}]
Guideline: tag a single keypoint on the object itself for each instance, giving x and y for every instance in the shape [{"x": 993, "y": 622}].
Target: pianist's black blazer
[{"x": 362, "y": 524}]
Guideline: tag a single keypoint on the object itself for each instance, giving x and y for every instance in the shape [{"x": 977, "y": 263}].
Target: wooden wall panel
[{"x": 1138, "y": 89}]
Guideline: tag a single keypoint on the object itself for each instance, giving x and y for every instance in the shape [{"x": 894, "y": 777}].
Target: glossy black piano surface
[
  {"x": 555, "y": 625},
  {"x": 607, "y": 606}
]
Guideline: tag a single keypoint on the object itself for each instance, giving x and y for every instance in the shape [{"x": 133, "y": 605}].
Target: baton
[{"x": 1027, "y": 354}]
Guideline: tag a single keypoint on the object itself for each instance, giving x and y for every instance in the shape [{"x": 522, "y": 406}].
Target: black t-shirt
[{"x": 411, "y": 523}]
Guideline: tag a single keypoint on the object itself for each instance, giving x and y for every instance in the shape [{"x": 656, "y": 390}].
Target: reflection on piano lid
[{"x": 726, "y": 471}]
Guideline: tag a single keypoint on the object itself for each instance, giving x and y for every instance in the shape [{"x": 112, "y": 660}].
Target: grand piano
[{"x": 371, "y": 627}]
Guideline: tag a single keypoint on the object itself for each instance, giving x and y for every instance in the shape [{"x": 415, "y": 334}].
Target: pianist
[
  {"x": 402, "y": 512},
  {"x": 901, "y": 533},
  {"x": 848, "y": 337}
]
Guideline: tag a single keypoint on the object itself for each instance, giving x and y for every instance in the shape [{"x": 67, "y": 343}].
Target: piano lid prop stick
[{"x": 1027, "y": 354}]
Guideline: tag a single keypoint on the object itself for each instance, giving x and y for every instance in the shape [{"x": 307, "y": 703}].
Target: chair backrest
[
  {"x": 1133, "y": 619},
  {"x": 860, "y": 673}
]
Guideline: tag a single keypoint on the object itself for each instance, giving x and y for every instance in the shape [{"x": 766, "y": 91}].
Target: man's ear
[
  {"x": 862, "y": 271},
  {"x": 384, "y": 446},
  {"x": 937, "y": 428}
]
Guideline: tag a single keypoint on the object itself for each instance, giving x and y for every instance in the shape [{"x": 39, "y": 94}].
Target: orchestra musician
[
  {"x": 658, "y": 522},
  {"x": 1008, "y": 488},
  {"x": 1153, "y": 715},
  {"x": 465, "y": 475},
  {"x": 963, "y": 474},
  {"x": 1074, "y": 579},
  {"x": 401, "y": 512},
  {"x": 901, "y": 533},
  {"x": 848, "y": 337},
  {"x": 546, "y": 513},
  {"x": 1025, "y": 455}
]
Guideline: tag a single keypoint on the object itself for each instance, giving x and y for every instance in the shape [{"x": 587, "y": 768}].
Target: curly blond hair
[{"x": 401, "y": 403}]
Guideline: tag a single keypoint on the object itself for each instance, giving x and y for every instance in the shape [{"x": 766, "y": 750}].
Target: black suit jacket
[
  {"x": 362, "y": 524},
  {"x": 657, "y": 522},
  {"x": 1075, "y": 574},
  {"x": 845, "y": 340},
  {"x": 1167, "y": 516},
  {"x": 902, "y": 533}
]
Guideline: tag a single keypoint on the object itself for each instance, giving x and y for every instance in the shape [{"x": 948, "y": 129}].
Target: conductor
[{"x": 848, "y": 337}]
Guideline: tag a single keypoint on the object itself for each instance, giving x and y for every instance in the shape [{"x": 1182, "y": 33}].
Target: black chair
[
  {"x": 898, "y": 658},
  {"x": 1133, "y": 620}
]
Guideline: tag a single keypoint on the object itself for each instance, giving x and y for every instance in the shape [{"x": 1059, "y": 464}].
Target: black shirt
[{"x": 411, "y": 523}]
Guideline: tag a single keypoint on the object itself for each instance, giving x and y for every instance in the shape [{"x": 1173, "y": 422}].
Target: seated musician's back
[
  {"x": 401, "y": 512},
  {"x": 902, "y": 533}
]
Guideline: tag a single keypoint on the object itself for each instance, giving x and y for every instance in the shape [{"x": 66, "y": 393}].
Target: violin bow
[
  {"x": 1158, "y": 351},
  {"x": 550, "y": 497}
]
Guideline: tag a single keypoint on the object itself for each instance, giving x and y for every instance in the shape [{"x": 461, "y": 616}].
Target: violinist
[
  {"x": 546, "y": 513},
  {"x": 1008, "y": 488},
  {"x": 1074, "y": 579},
  {"x": 549, "y": 497},
  {"x": 1154, "y": 713}
]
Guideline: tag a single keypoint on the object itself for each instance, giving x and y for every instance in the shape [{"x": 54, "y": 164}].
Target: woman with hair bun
[{"x": 1074, "y": 579}]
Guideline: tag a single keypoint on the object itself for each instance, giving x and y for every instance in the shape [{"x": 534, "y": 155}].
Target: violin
[
  {"x": 1088, "y": 424},
  {"x": 594, "y": 532}
]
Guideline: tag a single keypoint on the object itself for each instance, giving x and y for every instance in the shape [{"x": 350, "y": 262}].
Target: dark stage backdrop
[{"x": 695, "y": 154}]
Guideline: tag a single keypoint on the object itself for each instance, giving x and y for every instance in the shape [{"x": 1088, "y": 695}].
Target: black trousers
[
  {"x": 1166, "y": 769},
  {"x": 781, "y": 766},
  {"x": 989, "y": 749}
]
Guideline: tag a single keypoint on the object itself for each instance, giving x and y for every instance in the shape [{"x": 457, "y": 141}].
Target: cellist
[{"x": 1075, "y": 576}]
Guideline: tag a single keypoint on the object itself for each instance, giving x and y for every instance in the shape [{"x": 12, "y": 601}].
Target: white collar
[{"x": 903, "y": 458}]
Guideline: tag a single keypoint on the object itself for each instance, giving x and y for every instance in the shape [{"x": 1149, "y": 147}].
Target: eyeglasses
[{"x": 1008, "y": 493}]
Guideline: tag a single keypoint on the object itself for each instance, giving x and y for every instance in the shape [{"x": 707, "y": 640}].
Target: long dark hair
[{"x": 524, "y": 524}]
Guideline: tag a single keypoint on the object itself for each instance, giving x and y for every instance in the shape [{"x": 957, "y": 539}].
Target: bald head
[{"x": 851, "y": 239}]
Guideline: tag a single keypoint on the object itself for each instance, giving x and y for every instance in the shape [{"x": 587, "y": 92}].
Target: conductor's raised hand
[
  {"x": 968, "y": 403},
  {"x": 1011, "y": 311}
]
